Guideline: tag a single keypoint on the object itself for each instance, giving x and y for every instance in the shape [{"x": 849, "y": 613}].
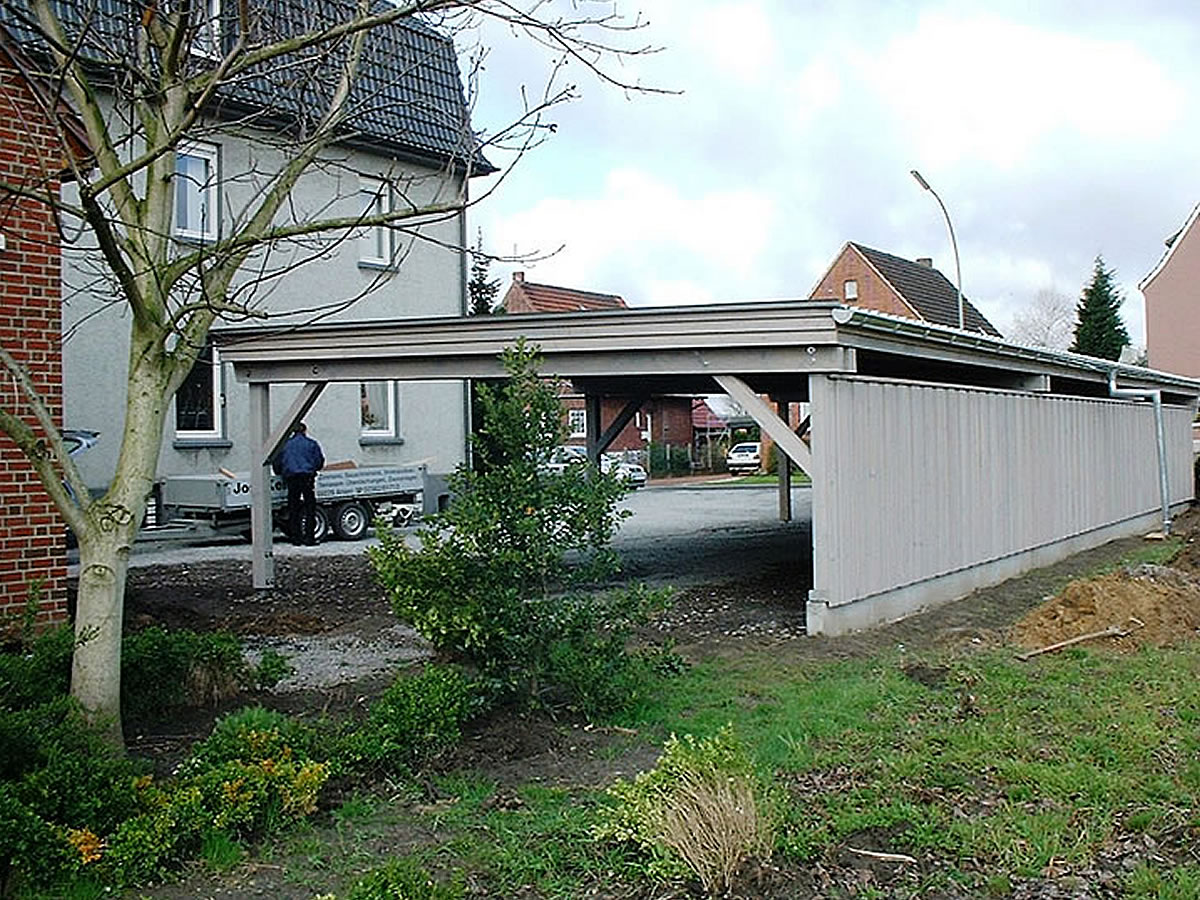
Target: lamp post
[{"x": 953, "y": 243}]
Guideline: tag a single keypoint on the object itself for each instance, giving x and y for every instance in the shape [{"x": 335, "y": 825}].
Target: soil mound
[{"x": 1154, "y": 605}]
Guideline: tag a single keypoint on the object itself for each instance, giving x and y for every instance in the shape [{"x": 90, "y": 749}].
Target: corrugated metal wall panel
[{"x": 918, "y": 480}]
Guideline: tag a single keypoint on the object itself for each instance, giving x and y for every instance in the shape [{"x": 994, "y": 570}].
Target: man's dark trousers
[{"x": 302, "y": 508}]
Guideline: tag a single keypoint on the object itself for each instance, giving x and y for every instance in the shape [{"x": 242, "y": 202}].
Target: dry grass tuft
[
  {"x": 713, "y": 823},
  {"x": 208, "y": 683}
]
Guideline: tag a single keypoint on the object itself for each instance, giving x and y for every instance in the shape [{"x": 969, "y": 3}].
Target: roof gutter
[
  {"x": 1160, "y": 436},
  {"x": 869, "y": 320}
]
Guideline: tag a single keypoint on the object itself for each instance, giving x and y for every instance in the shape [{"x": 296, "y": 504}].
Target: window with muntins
[
  {"x": 198, "y": 400},
  {"x": 196, "y": 192},
  {"x": 577, "y": 422},
  {"x": 378, "y": 405}
]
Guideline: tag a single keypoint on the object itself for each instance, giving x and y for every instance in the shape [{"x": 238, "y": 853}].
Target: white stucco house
[{"x": 411, "y": 144}]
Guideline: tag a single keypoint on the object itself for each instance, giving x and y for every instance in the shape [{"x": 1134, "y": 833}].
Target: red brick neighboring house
[
  {"x": 661, "y": 420},
  {"x": 1172, "y": 292},
  {"x": 35, "y": 138},
  {"x": 872, "y": 279}
]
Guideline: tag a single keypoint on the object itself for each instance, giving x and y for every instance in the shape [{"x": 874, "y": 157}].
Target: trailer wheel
[
  {"x": 321, "y": 529},
  {"x": 351, "y": 520},
  {"x": 403, "y": 517}
]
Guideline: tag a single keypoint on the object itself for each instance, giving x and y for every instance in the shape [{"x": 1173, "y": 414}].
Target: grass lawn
[{"x": 986, "y": 770}]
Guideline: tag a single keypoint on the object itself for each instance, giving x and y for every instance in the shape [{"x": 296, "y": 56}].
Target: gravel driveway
[{"x": 679, "y": 534}]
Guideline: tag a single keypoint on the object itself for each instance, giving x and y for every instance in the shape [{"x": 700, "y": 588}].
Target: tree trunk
[
  {"x": 106, "y": 542},
  {"x": 96, "y": 667}
]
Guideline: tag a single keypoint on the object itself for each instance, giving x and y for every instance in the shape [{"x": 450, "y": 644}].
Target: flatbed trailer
[{"x": 348, "y": 501}]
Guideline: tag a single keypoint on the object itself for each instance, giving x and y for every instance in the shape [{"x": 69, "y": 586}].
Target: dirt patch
[
  {"x": 312, "y": 594},
  {"x": 1145, "y": 606}
]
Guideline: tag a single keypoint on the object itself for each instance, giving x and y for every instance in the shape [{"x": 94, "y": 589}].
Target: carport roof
[{"x": 677, "y": 349}]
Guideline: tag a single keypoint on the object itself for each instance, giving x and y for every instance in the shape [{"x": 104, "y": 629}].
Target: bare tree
[
  {"x": 1047, "y": 322},
  {"x": 294, "y": 79}
]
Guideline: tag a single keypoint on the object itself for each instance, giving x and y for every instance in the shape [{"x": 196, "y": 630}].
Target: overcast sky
[{"x": 1052, "y": 132}]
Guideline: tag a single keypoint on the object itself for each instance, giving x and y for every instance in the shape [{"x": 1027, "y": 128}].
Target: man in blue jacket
[{"x": 298, "y": 462}]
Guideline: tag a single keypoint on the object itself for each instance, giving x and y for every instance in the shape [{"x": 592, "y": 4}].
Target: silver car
[{"x": 744, "y": 458}]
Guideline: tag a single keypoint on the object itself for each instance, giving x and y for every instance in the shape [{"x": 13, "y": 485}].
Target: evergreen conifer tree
[
  {"x": 1099, "y": 330},
  {"x": 481, "y": 289}
]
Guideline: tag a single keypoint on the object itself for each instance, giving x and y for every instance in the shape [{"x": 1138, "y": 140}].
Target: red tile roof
[{"x": 525, "y": 296}]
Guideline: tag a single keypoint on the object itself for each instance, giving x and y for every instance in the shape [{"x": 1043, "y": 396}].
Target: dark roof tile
[
  {"x": 408, "y": 98},
  {"x": 926, "y": 290}
]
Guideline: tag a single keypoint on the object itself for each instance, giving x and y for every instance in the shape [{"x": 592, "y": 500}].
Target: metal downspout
[{"x": 1161, "y": 435}]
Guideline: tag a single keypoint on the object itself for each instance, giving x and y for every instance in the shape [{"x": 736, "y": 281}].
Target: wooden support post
[
  {"x": 261, "y": 517},
  {"x": 591, "y": 404},
  {"x": 783, "y": 467}
]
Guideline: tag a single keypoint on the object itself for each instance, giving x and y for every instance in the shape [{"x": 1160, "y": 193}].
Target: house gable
[
  {"x": 897, "y": 286},
  {"x": 526, "y": 296},
  {"x": 1173, "y": 303}
]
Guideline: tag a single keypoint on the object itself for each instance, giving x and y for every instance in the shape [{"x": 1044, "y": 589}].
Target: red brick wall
[
  {"x": 670, "y": 420},
  {"x": 873, "y": 291},
  {"x": 32, "y": 536}
]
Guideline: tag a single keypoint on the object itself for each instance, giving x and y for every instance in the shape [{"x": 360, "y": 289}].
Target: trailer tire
[
  {"x": 403, "y": 517},
  {"x": 321, "y": 529},
  {"x": 351, "y": 520}
]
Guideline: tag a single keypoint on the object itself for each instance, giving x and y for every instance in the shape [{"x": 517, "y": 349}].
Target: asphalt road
[{"x": 679, "y": 533}]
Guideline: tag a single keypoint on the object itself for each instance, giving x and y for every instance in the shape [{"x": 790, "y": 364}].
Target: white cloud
[
  {"x": 986, "y": 88},
  {"x": 736, "y": 38},
  {"x": 647, "y": 229}
]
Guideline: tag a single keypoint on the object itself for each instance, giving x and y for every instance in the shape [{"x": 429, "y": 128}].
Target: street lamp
[{"x": 953, "y": 243}]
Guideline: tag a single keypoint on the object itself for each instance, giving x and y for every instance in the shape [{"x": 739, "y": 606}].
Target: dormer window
[
  {"x": 850, "y": 290},
  {"x": 208, "y": 31},
  {"x": 205, "y": 27}
]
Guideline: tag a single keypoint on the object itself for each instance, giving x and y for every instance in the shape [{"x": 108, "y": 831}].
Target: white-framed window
[
  {"x": 196, "y": 181},
  {"x": 374, "y": 242},
  {"x": 850, "y": 289},
  {"x": 198, "y": 400},
  {"x": 377, "y": 401},
  {"x": 577, "y": 422}
]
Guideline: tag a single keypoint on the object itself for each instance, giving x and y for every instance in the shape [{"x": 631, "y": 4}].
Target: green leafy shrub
[
  {"x": 61, "y": 785},
  {"x": 37, "y": 668},
  {"x": 699, "y": 810},
  {"x": 670, "y": 459},
  {"x": 30, "y": 847},
  {"x": 404, "y": 879},
  {"x": 71, "y": 806},
  {"x": 252, "y": 733},
  {"x": 415, "y": 718},
  {"x": 162, "y": 669},
  {"x": 587, "y": 657},
  {"x": 486, "y": 584}
]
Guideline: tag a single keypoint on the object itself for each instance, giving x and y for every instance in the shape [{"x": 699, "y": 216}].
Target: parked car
[
  {"x": 631, "y": 473},
  {"x": 574, "y": 454},
  {"x": 744, "y": 458}
]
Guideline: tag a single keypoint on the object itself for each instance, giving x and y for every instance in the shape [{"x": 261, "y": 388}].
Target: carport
[{"x": 941, "y": 461}]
